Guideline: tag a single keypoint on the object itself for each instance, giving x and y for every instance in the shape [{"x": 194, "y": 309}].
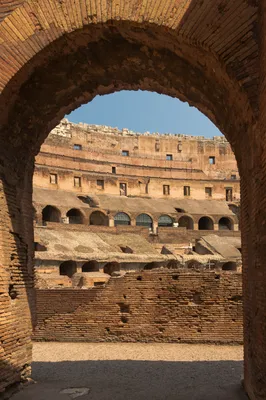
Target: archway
[
  {"x": 229, "y": 266},
  {"x": 99, "y": 218},
  {"x": 186, "y": 222},
  {"x": 122, "y": 218},
  {"x": 144, "y": 220},
  {"x": 111, "y": 267},
  {"x": 152, "y": 265},
  {"x": 225, "y": 224},
  {"x": 51, "y": 214},
  {"x": 206, "y": 224},
  {"x": 165, "y": 220},
  {"x": 68, "y": 268},
  {"x": 90, "y": 266},
  {"x": 174, "y": 50},
  {"x": 75, "y": 216}
]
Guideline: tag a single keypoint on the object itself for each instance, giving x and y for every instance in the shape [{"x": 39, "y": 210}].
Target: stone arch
[
  {"x": 128, "y": 31},
  {"x": 75, "y": 216},
  {"x": 206, "y": 223},
  {"x": 165, "y": 220},
  {"x": 68, "y": 268},
  {"x": 90, "y": 266},
  {"x": 167, "y": 47},
  {"x": 225, "y": 224},
  {"x": 111, "y": 267},
  {"x": 51, "y": 214},
  {"x": 193, "y": 264},
  {"x": 144, "y": 220},
  {"x": 99, "y": 218},
  {"x": 122, "y": 218},
  {"x": 229, "y": 266},
  {"x": 186, "y": 222},
  {"x": 152, "y": 265}
]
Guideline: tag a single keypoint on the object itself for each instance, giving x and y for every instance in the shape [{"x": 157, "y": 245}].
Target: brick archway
[{"x": 54, "y": 59}]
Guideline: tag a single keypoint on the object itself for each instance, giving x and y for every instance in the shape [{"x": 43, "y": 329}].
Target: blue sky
[{"x": 143, "y": 111}]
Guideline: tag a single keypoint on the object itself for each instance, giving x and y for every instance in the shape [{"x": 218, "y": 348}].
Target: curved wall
[{"x": 101, "y": 160}]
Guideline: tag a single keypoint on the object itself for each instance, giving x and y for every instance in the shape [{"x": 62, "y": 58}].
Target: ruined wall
[
  {"x": 173, "y": 235},
  {"x": 169, "y": 306},
  {"x": 91, "y": 153}
]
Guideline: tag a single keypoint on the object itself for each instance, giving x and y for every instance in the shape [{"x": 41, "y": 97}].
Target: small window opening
[
  {"x": 229, "y": 194},
  {"x": 125, "y": 153},
  {"x": 77, "y": 147},
  {"x": 123, "y": 189},
  {"x": 77, "y": 181},
  {"x": 212, "y": 160},
  {"x": 208, "y": 191},
  {"x": 169, "y": 157},
  {"x": 157, "y": 146},
  {"x": 186, "y": 190},
  {"x": 113, "y": 170},
  {"x": 53, "y": 179},
  {"x": 166, "y": 190},
  {"x": 233, "y": 176},
  {"x": 100, "y": 184},
  {"x": 179, "y": 147}
]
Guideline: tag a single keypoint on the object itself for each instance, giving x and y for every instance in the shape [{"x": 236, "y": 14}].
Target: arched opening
[
  {"x": 151, "y": 265},
  {"x": 122, "y": 218},
  {"x": 75, "y": 216},
  {"x": 90, "y": 266},
  {"x": 165, "y": 220},
  {"x": 229, "y": 266},
  {"x": 205, "y": 224},
  {"x": 51, "y": 214},
  {"x": 225, "y": 224},
  {"x": 165, "y": 62},
  {"x": 144, "y": 220},
  {"x": 191, "y": 264},
  {"x": 186, "y": 222},
  {"x": 68, "y": 268},
  {"x": 111, "y": 267},
  {"x": 99, "y": 218}
]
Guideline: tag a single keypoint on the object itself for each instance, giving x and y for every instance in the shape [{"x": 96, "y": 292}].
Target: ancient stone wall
[
  {"x": 166, "y": 306},
  {"x": 81, "y": 155}
]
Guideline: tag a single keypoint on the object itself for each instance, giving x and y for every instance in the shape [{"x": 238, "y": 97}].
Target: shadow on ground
[{"x": 137, "y": 380}]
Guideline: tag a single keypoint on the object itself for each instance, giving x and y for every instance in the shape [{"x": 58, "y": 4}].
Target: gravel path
[{"x": 136, "y": 371}]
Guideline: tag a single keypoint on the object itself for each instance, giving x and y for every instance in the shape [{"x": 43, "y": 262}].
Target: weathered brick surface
[
  {"x": 209, "y": 53},
  {"x": 16, "y": 279},
  {"x": 162, "y": 306}
]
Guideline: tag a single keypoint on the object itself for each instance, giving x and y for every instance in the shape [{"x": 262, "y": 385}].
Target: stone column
[
  {"x": 111, "y": 222},
  {"x": 17, "y": 302}
]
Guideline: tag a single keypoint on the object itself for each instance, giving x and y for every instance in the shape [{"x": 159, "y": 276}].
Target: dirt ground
[{"x": 135, "y": 371}]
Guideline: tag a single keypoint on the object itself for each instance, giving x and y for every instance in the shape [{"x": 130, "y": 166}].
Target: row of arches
[
  {"x": 75, "y": 216},
  {"x": 69, "y": 268}
]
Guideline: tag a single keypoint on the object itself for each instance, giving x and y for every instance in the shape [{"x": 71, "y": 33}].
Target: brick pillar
[
  {"x": 16, "y": 272},
  {"x": 253, "y": 225},
  {"x": 111, "y": 222}
]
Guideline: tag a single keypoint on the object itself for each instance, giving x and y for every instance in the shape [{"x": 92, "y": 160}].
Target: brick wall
[{"x": 167, "y": 306}]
